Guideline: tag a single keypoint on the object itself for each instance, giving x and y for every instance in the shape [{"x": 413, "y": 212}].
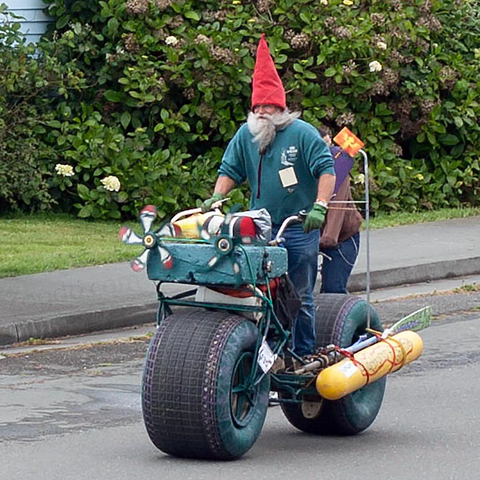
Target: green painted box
[{"x": 190, "y": 264}]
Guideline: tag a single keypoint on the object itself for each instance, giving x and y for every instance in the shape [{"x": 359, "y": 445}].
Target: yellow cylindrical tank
[{"x": 369, "y": 364}]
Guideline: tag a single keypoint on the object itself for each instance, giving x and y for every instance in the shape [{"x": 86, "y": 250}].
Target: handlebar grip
[{"x": 302, "y": 215}]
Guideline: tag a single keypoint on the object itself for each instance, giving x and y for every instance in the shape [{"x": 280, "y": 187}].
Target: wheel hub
[{"x": 243, "y": 394}]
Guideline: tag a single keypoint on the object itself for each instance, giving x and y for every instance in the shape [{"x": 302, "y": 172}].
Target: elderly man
[{"x": 289, "y": 168}]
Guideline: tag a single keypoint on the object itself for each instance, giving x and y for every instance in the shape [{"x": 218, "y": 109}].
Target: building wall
[{"x": 34, "y": 22}]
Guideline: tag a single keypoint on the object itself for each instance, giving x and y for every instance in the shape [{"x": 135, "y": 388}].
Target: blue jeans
[
  {"x": 336, "y": 269},
  {"x": 302, "y": 251}
]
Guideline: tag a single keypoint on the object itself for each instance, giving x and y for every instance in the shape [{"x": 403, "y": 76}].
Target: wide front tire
[
  {"x": 198, "y": 400},
  {"x": 340, "y": 320}
]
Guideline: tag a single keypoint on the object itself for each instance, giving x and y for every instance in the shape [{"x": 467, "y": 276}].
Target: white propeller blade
[
  {"x": 147, "y": 217},
  {"x": 139, "y": 263},
  {"x": 167, "y": 259},
  {"x": 129, "y": 237}
]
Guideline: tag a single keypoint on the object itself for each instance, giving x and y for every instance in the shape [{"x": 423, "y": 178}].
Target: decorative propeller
[
  {"x": 224, "y": 244},
  {"x": 150, "y": 239}
]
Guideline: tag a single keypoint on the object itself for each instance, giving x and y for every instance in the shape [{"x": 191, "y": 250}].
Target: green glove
[
  {"x": 315, "y": 218},
  {"x": 207, "y": 204}
]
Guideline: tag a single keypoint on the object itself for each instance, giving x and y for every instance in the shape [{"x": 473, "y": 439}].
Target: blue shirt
[{"x": 300, "y": 147}]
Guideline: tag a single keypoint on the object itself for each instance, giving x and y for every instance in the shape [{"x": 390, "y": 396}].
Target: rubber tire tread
[
  {"x": 187, "y": 383},
  {"x": 340, "y": 319}
]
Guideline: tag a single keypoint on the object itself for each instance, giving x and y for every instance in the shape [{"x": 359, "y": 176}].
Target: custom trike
[{"x": 223, "y": 342}]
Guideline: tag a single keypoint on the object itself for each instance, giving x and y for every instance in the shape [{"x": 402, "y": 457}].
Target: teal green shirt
[{"x": 299, "y": 147}]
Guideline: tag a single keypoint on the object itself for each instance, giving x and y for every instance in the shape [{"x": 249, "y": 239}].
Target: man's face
[
  {"x": 266, "y": 109},
  {"x": 263, "y": 122}
]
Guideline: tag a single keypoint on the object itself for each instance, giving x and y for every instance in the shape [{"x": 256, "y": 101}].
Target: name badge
[{"x": 288, "y": 177}]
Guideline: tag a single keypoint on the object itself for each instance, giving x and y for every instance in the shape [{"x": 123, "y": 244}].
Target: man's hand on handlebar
[
  {"x": 315, "y": 218},
  {"x": 210, "y": 202}
]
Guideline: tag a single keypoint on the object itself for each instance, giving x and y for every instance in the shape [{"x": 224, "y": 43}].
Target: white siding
[{"x": 34, "y": 22}]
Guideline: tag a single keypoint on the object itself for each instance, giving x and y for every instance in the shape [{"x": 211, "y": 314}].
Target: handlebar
[{"x": 300, "y": 217}]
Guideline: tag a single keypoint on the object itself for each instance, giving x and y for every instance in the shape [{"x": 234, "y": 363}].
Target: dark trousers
[
  {"x": 302, "y": 249},
  {"x": 336, "y": 268}
]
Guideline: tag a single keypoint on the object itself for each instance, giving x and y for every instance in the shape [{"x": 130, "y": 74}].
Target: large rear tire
[
  {"x": 196, "y": 397},
  {"x": 340, "y": 319}
]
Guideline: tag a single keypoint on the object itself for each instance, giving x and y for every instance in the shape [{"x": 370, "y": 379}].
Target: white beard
[{"x": 264, "y": 127}]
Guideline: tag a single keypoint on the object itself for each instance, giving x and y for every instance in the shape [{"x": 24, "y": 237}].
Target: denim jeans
[
  {"x": 337, "y": 268},
  {"x": 302, "y": 251}
]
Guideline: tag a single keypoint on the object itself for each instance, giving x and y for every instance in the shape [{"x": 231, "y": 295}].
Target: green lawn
[
  {"x": 42, "y": 243},
  {"x": 404, "y": 218}
]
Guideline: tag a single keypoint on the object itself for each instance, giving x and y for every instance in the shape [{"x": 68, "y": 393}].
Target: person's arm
[
  {"x": 326, "y": 184},
  {"x": 224, "y": 185},
  {"x": 316, "y": 215}
]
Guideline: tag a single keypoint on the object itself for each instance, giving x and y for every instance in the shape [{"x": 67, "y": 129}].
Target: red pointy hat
[{"x": 267, "y": 87}]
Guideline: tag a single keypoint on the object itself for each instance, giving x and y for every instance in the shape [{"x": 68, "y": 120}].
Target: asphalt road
[{"x": 75, "y": 414}]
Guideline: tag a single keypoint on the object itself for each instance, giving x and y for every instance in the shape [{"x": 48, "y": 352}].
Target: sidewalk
[{"x": 90, "y": 299}]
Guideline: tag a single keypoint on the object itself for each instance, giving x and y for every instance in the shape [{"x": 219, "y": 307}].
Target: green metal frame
[{"x": 292, "y": 384}]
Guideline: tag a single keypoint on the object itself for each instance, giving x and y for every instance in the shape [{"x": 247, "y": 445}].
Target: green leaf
[
  {"x": 451, "y": 180},
  {"x": 304, "y": 16},
  {"x": 122, "y": 196},
  {"x": 192, "y": 15},
  {"x": 249, "y": 62},
  {"x": 431, "y": 138},
  {"x": 83, "y": 191},
  {"x": 164, "y": 114},
  {"x": 62, "y": 21},
  {"x": 113, "y": 96},
  {"x": 85, "y": 211},
  {"x": 54, "y": 124},
  {"x": 448, "y": 139},
  {"x": 125, "y": 119},
  {"x": 330, "y": 72},
  {"x": 112, "y": 26}
]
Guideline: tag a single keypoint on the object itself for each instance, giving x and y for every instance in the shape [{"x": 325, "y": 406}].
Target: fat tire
[
  {"x": 341, "y": 319},
  {"x": 187, "y": 386}
]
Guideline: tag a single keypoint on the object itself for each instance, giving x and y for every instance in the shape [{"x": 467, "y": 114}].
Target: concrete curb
[
  {"x": 107, "y": 319},
  {"x": 79, "y": 323},
  {"x": 393, "y": 277}
]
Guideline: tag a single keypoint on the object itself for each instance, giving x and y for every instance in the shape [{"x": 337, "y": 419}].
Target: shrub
[{"x": 165, "y": 85}]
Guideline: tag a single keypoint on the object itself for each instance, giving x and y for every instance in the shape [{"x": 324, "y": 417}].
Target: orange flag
[{"x": 348, "y": 141}]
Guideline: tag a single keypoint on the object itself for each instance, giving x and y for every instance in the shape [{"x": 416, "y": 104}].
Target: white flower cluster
[
  {"x": 382, "y": 45},
  {"x": 64, "y": 170},
  {"x": 171, "y": 40},
  {"x": 360, "y": 178},
  {"x": 111, "y": 183},
  {"x": 375, "y": 66}
]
